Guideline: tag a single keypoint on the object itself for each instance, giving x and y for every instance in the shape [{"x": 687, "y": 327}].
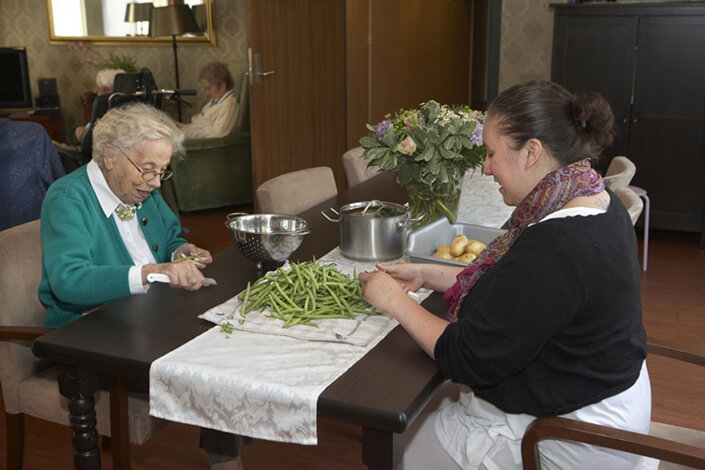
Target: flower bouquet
[{"x": 430, "y": 149}]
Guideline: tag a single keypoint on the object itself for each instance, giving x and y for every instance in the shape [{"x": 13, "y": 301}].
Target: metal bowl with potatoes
[{"x": 267, "y": 238}]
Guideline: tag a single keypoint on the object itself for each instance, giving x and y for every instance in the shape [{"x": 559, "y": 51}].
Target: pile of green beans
[{"x": 306, "y": 292}]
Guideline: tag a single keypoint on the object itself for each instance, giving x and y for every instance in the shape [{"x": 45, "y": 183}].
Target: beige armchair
[
  {"x": 356, "y": 169},
  {"x": 619, "y": 173},
  {"x": 670, "y": 444},
  {"x": 631, "y": 201},
  {"x": 29, "y": 385},
  {"x": 295, "y": 192}
]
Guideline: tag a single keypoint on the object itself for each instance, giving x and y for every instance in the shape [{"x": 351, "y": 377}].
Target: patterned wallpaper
[
  {"x": 526, "y": 41},
  {"x": 24, "y": 23}
]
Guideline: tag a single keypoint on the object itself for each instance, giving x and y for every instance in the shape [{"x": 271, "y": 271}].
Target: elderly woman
[
  {"x": 218, "y": 116},
  {"x": 104, "y": 87},
  {"x": 104, "y": 228},
  {"x": 547, "y": 320}
]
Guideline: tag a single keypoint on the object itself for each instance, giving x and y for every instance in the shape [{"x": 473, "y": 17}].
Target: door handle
[
  {"x": 249, "y": 65},
  {"x": 258, "y": 70}
]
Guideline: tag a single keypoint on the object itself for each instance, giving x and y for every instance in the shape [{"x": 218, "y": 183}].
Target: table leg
[
  {"x": 79, "y": 386},
  {"x": 381, "y": 450},
  {"x": 119, "y": 423}
]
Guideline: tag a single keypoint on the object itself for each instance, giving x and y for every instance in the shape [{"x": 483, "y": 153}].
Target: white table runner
[{"x": 260, "y": 385}]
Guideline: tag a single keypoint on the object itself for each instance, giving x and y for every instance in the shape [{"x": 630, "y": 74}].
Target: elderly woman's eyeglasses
[{"x": 150, "y": 174}]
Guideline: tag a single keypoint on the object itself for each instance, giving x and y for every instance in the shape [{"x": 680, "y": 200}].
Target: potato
[
  {"x": 475, "y": 247},
  {"x": 443, "y": 249},
  {"x": 458, "y": 238},
  {"x": 458, "y": 247},
  {"x": 467, "y": 257},
  {"x": 442, "y": 254}
]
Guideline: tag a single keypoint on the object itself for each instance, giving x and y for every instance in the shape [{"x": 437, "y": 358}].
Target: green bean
[{"x": 305, "y": 292}]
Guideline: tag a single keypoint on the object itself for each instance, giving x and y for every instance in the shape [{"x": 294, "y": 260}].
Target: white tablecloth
[{"x": 260, "y": 385}]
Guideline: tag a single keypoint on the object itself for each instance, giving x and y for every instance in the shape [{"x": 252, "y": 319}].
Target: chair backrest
[
  {"x": 356, "y": 169},
  {"x": 292, "y": 193},
  {"x": 631, "y": 201},
  {"x": 242, "y": 123},
  {"x": 20, "y": 274},
  {"x": 619, "y": 173}
]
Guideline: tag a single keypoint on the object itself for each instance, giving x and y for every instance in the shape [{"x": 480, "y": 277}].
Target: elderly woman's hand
[
  {"x": 201, "y": 257},
  {"x": 184, "y": 275}
]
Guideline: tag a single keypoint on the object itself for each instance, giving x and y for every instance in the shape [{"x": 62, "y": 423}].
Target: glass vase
[{"x": 427, "y": 203}]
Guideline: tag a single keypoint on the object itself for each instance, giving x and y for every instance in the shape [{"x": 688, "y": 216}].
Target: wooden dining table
[{"x": 382, "y": 393}]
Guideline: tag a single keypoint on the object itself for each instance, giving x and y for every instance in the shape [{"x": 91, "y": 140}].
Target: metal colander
[{"x": 267, "y": 238}]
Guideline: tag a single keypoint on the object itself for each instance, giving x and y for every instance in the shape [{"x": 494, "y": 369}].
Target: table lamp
[
  {"x": 173, "y": 20},
  {"x": 138, "y": 13}
]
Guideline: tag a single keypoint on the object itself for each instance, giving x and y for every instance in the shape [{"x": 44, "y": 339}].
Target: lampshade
[
  {"x": 172, "y": 20},
  {"x": 199, "y": 13},
  {"x": 135, "y": 12}
]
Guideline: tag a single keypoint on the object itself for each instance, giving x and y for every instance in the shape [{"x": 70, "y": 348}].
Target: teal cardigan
[{"x": 84, "y": 261}]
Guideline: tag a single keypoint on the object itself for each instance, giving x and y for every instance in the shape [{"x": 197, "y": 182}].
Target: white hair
[
  {"x": 104, "y": 79},
  {"x": 124, "y": 127}
]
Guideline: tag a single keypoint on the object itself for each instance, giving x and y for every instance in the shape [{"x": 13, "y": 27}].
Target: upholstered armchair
[{"x": 216, "y": 172}]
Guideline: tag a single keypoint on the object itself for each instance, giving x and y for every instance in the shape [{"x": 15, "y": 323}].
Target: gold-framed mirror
[{"x": 114, "y": 22}]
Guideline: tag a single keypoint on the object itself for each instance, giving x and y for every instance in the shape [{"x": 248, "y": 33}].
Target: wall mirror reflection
[{"x": 122, "y": 22}]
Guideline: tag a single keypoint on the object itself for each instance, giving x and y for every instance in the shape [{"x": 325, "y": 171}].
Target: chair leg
[
  {"x": 15, "y": 440},
  {"x": 646, "y": 231}
]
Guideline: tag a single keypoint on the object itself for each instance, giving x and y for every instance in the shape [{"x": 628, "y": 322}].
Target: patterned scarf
[{"x": 553, "y": 192}]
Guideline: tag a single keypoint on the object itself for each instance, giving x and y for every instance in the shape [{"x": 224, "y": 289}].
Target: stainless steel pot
[{"x": 371, "y": 230}]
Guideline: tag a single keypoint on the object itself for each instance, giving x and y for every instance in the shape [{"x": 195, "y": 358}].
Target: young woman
[{"x": 547, "y": 320}]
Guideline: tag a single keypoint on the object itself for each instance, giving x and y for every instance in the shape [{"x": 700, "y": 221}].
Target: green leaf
[
  {"x": 370, "y": 128},
  {"x": 369, "y": 142},
  {"x": 449, "y": 143},
  {"x": 443, "y": 175},
  {"x": 390, "y": 138},
  {"x": 375, "y": 153},
  {"x": 405, "y": 175},
  {"x": 447, "y": 154},
  {"x": 426, "y": 155}
]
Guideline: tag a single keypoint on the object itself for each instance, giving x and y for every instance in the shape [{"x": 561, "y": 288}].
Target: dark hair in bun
[{"x": 571, "y": 126}]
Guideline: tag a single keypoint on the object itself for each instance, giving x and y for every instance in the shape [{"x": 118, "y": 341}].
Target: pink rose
[{"x": 407, "y": 146}]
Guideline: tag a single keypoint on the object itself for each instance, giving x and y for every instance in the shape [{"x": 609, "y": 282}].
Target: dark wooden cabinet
[
  {"x": 648, "y": 60},
  {"x": 53, "y": 123}
]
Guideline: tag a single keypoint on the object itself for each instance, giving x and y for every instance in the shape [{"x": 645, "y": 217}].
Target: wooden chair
[
  {"x": 292, "y": 193},
  {"x": 29, "y": 385},
  {"x": 682, "y": 446},
  {"x": 356, "y": 169}
]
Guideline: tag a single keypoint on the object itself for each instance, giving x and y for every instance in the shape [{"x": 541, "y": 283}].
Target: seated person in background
[
  {"x": 28, "y": 165},
  {"x": 547, "y": 320},
  {"x": 104, "y": 228},
  {"x": 104, "y": 82},
  {"x": 218, "y": 116}
]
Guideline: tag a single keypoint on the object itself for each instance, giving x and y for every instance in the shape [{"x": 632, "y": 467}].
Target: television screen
[{"x": 14, "y": 79}]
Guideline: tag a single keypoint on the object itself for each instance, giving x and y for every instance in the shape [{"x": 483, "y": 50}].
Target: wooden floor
[{"x": 674, "y": 311}]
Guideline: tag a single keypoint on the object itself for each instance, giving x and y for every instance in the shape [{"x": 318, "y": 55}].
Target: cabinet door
[
  {"x": 596, "y": 53},
  {"x": 667, "y": 132}
]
